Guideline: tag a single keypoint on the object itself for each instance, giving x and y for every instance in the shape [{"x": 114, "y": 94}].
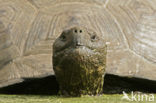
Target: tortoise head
[
  {"x": 79, "y": 54},
  {"x": 78, "y": 38}
]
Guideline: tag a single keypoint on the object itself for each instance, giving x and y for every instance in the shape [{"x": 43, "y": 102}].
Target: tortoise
[
  {"x": 79, "y": 61},
  {"x": 33, "y": 33}
]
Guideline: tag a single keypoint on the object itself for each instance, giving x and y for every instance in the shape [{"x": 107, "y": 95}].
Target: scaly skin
[{"x": 79, "y": 60}]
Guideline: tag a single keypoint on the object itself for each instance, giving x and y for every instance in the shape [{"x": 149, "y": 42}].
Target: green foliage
[{"x": 56, "y": 99}]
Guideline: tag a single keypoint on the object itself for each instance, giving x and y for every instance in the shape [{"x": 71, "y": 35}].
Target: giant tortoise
[{"x": 81, "y": 39}]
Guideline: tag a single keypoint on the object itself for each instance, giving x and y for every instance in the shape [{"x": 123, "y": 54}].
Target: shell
[{"x": 28, "y": 29}]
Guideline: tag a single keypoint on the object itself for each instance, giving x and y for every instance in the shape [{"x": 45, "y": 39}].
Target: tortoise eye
[
  {"x": 93, "y": 37},
  {"x": 63, "y": 37}
]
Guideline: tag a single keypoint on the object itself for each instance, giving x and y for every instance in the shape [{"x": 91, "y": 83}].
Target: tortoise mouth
[{"x": 79, "y": 50}]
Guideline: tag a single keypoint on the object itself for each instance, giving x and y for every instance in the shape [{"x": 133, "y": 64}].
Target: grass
[{"x": 57, "y": 99}]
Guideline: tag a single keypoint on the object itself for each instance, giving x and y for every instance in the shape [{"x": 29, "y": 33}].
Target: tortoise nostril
[
  {"x": 80, "y": 31},
  {"x": 75, "y": 31}
]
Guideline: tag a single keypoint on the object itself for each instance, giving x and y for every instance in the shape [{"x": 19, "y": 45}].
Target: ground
[{"x": 57, "y": 99}]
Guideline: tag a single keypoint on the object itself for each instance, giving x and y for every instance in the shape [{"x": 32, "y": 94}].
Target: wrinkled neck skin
[{"x": 79, "y": 60}]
